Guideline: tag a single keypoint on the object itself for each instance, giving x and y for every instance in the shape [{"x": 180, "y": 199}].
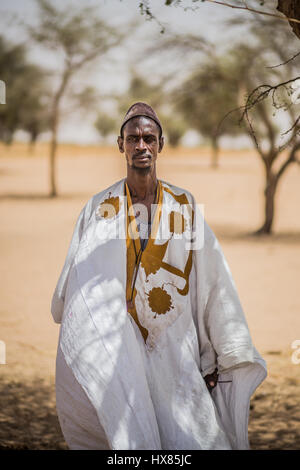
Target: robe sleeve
[
  {"x": 224, "y": 336},
  {"x": 224, "y": 339},
  {"x": 224, "y": 318},
  {"x": 57, "y": 304}
]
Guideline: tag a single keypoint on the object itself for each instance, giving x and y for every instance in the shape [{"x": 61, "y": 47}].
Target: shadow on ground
[
  {"x": 28, "y": 417},
  {"x": 40, "y": 197},
  {"x": 274, "y": 422},
  {"x": 230, "y": 233}
]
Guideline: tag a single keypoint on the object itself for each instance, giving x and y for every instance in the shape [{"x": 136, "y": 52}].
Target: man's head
[{"x": 141, "y": 137}]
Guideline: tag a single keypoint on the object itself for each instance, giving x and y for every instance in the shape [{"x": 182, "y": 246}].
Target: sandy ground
[{"x": 34, "y": 235}]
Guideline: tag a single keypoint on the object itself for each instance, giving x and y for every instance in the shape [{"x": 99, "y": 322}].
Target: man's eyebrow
[{"x": 143, "y": 135}]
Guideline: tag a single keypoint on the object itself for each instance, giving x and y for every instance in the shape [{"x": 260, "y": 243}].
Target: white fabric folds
[{"x": 150, "y": 395}]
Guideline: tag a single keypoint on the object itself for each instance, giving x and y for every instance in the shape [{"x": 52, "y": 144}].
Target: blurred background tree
[
  {"x": 289, "y": 8},
  {"x": 175, "y": 126},
  {"x": 80, "y": 37},
  {"x": 242, "y": 91},
  {"x": 106, "y": 124},
  {"x": 263, "y": 74},
  {"x": 26, "y": 94},
  {"x": 34, "y": 112},
  {"x": 154, "y": 94},
  {"x": 256, "y": 78},
  {"x": 140, "y": 89},
  {"x": 204, "y": 99}
]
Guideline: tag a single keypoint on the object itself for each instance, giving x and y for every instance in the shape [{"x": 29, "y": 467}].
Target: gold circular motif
[{"x": 159, "y": 300}]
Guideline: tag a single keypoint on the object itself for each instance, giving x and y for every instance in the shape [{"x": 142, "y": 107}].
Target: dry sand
[{"x": 34, "y": 235}]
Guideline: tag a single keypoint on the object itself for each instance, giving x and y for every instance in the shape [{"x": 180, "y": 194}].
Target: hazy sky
[{"x": 207, "y": 21}]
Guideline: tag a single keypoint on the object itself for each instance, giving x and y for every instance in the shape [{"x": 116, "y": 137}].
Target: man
[{"x": 154, "y": 350}]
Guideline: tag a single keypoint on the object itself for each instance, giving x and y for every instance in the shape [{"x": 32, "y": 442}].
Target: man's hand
[{"x": 211, "y": 380}]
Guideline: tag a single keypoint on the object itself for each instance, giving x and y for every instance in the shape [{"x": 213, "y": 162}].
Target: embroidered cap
[{"x": 141, "y": 109}]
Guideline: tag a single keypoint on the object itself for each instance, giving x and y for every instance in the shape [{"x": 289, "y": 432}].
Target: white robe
[{"x": 114, "y": 391}]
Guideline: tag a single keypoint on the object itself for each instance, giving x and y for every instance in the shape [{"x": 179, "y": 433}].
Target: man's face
[{"x": 141, "y": 143}]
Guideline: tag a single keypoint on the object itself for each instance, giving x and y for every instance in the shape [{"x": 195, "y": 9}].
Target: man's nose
[{"x": 141, "y": 145}]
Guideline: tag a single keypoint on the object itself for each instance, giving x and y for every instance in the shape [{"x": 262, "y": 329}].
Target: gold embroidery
[
  {"x": 151, "y": 263},
  {"x": 109, "y": 208},
  {"x": 159, "y": 300},
  {"x": 133, "y": 313},
  {"x": 134, "y": 253},
  {"x": 151, "y": 259}
]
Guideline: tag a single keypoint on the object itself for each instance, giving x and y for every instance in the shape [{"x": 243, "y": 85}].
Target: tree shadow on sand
[
  {"x": 274, "y": 416},
  {"x": 231, "y": 233},
  {"x": 43, "y": 197},
  {"x": 28, "y": 418}
]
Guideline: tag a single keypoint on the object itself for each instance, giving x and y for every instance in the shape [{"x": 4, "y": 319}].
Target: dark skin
[{"x": 141, "y": 142}]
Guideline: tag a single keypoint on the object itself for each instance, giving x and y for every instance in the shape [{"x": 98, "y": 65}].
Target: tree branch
[
  {"x": 252, "y": 136},
  {"x": 291, "y": 159},
  {"x": 94, "y": 53},
  {"x": 270, "y": 130},
  {"x": 261, "y": 12},
  {"x": 145, "y": 9},
  {"x": 284, "y": 63},
  {"x": 294, "y": 126},
  {"x": 267, "y": 89}
]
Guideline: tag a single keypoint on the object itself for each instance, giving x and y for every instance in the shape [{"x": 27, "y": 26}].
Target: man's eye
[{"x": 149, "y": 139}]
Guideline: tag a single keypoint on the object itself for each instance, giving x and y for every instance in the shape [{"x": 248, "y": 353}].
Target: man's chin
[
  {"x": 145, "y": 166},
  {"x": 141, "y": 169}
]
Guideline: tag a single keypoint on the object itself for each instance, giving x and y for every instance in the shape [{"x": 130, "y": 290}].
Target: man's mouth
[{"x": 142, "y": 158}]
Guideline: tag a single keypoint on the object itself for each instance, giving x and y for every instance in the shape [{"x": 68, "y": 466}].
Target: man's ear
[
  {"x": 121, "y": 144},
  {"x": 161, "y": 144}
]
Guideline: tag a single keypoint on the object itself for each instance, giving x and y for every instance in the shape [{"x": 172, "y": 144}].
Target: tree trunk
[
  {"x": 52, "y": 155},
  {"x": 31, "y": 144},
  {"x": 269, "y": 194},
  {"x": 291, "y": 9},
  {"x": 54, "y": 128},
  {"x": 30, "y": 148},
  {"x": 214, "y": 153}
]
